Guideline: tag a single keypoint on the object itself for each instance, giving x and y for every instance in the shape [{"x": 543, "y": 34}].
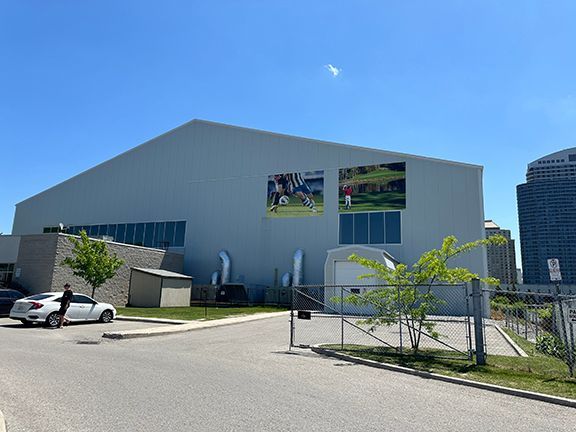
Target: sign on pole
[{"x": 554, "y": 269}]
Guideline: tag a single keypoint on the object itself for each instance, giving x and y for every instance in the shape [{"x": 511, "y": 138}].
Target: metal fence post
[
  {"x": 342, "y": 317},
  {"x": 400, "y": 320},
  {"x": 478, "y": 329}
]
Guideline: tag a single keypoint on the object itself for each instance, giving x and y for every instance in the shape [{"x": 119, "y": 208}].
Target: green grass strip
[
  {"x": 538, "y": 373},
  {"x": 196, "y": 312}
]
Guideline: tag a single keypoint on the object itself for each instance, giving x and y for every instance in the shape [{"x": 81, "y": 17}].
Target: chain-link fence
[
  {"x": 545, "y": 321},
  {"x": 430, "y": 320}
]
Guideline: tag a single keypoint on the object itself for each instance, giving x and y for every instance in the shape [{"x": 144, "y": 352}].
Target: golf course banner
[
  {"x": 296, "y": 194},
  {"x": 372, "y": 188}
]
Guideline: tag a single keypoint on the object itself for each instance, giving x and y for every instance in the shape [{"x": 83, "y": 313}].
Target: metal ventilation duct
[{"x": 225, "y": 261}]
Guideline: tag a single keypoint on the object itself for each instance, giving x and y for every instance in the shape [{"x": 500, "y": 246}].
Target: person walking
[{"x": 65, "y": 304}]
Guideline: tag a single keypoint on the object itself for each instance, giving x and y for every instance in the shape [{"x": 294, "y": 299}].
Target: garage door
[{"x": 346, "y": 273}]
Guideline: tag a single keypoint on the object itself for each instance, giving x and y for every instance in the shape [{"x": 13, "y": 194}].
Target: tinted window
[
  {"x": 169, "y": 233},
  {"x": 139, "y": 234},
  {"x": 158, "y": 234},
  {"x": 376, "y": 228},
  {"x": 39, "y": 297},
  {"x": 346, "y": 229},
  {"x": 79, "y": 298},
  {"x": 120, "y": 233},
  {"x": 393, "y": 227},
  {"x": 93, "y": 230},
  {"x": 130, "y": 233},
  {"x": 4, "y": 295},
  {"x": 149, "y": 234},
  {"x": 361, "y": 228},
  {"x": 112, "y": 231},
  {"x": 16, "y": 295},
  {"x": 179, "y": 236},
  {"x": 102, "y": 230}
]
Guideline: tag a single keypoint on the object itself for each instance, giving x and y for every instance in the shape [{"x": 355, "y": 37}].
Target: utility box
[{"x": 159, "y": 288}]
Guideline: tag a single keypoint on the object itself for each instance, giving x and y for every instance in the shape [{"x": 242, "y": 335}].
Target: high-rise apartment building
[
  {"x": 547, "y": 217},
  {"x": 501, "y": 259}
]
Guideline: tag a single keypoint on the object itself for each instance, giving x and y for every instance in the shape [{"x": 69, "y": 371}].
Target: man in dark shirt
[{"x": 65, "y": 304}]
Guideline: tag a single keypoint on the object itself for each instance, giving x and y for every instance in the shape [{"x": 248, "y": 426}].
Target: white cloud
[{"x": 333, "y": 70}]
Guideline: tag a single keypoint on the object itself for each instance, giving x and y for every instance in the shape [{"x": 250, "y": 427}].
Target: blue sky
[{"x": 484, "y": 82}]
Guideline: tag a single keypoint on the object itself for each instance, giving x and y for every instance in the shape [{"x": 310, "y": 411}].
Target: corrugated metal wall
[{"x": 215, "y": 177}]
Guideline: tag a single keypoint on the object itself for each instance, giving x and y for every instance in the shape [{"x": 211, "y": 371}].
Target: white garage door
[{"x": 346, "y": 273}]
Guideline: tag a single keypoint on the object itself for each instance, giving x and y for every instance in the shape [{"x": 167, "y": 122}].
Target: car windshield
[{"x": 39, "y": 296}]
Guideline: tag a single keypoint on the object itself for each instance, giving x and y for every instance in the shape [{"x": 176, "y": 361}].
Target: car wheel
[
  {"x": 53, "y": 320},
  {"x": 106, "y": 316},
  {"x": 26, "y": 323}
]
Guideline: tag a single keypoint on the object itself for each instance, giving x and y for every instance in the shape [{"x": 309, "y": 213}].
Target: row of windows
[
  {"x": 149, "y": 234},
  {"x": 370, "y": 228}
]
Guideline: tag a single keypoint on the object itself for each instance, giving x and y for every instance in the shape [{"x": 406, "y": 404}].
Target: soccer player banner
[
  {"x": 372, "y": 188},
  {"x": 296, "y": 194}
]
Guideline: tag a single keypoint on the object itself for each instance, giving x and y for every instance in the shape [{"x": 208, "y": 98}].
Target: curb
[
  {"x": 429, "y": 375},
  {"x": 2, "y": 423},
  {"x": 518, "y": 350},
  {"x": 190, "y": 326},
  {"x": 151, "y": 320}
]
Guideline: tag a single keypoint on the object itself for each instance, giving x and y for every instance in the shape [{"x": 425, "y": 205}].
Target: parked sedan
[
  {"x": 43, "y": 308},
  {"x": 7, "y": 299}
]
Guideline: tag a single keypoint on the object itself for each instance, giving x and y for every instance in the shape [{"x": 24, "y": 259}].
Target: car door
[
  {"x": 87, "y": 307},
  {"x": 78, "y": 309}
]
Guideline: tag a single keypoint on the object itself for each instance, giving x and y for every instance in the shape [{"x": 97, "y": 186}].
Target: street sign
[{"x": 554, "y": 269}]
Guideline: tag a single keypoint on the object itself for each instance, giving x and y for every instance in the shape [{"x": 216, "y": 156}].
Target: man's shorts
[
  {"x": 62, "y": 310},
  {"x": 304, "y": 189}
]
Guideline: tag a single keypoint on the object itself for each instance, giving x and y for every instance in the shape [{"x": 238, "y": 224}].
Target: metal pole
[
  {"x": 526, "y": 323},
  {"x": 292, "y": 322},
  {"x": 537, "y": 322},
  {"x": 342, "y": 317},
  {"x": 400, "y": 320},
  {"x": 478, "y": 330},
  {"x": 564, "y": 336},
  {"x": 205, "y": 302}
]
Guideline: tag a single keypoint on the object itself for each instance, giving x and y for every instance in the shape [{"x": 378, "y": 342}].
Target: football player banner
[{"x": 295, "y": 194}]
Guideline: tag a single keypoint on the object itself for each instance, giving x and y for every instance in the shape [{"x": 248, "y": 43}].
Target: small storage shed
[{"x": 159, "y": 288}]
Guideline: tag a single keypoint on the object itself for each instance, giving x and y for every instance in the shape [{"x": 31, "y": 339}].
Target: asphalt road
[{"x": 234, "y": 378}]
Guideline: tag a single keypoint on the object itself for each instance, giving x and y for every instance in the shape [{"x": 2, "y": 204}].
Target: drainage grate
[{"x": 88, "y": 342}]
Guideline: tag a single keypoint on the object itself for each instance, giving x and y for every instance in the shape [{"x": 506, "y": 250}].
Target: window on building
[{"x": 370, "y": 228}]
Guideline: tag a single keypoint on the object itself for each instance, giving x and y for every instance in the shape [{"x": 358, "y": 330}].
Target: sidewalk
[{"x": 184, "y": 326}]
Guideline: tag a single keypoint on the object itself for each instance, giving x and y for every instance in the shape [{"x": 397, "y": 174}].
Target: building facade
[
  {"x": 204, "y": 188},
  {"x": 547, "y": 217},
  {"x": 501, "y": 259}
]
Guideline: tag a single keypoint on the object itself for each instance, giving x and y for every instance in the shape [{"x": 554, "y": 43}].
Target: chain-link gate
[{"x": 429, "y": 320}]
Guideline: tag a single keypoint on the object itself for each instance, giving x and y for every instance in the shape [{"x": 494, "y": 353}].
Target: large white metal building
[{"x": 204, "y": 187}]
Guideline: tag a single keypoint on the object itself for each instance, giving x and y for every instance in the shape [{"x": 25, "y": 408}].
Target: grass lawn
[
  {"x": 374, "y": 201},
  {"x": 539, "y": 373},
  {"x": 296, "y": 209},
  {"x": 196, "y": 312}
]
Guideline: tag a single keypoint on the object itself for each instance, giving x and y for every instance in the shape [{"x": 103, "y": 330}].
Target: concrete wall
[
  {"x": 35, "y": 264},
  {"x": 115, "y": 290},
  {"x": 215, "y": 177},
  {"x": 176, "y": 292},
  {"x": 145, "y": 289},
  {"x": 9, "y": 246}
]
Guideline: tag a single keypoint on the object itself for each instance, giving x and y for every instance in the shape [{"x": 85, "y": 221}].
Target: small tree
[
  {"x": 409, "y": 296},
  {"x": 91, "y": 261}
]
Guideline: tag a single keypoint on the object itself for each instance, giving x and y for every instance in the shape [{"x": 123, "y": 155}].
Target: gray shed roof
[{"x": 162, "y": 273}]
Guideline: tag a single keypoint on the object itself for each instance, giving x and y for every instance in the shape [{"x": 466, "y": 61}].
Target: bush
[{"x": 550, "y": 345}]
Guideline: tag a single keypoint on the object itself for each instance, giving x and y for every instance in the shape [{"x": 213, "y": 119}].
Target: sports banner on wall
[
  {"x": 372, "y": 188},
  {"x": 297, "y": 194}
]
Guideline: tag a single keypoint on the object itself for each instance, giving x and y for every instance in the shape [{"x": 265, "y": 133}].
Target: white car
[{"x": 43, "y": 308}]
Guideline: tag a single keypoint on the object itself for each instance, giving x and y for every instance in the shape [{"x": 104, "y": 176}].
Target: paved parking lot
[{"x": 77, "y": 332}]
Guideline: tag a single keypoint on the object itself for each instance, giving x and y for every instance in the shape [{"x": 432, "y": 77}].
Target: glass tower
[{"x": 547, "y": 217}]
